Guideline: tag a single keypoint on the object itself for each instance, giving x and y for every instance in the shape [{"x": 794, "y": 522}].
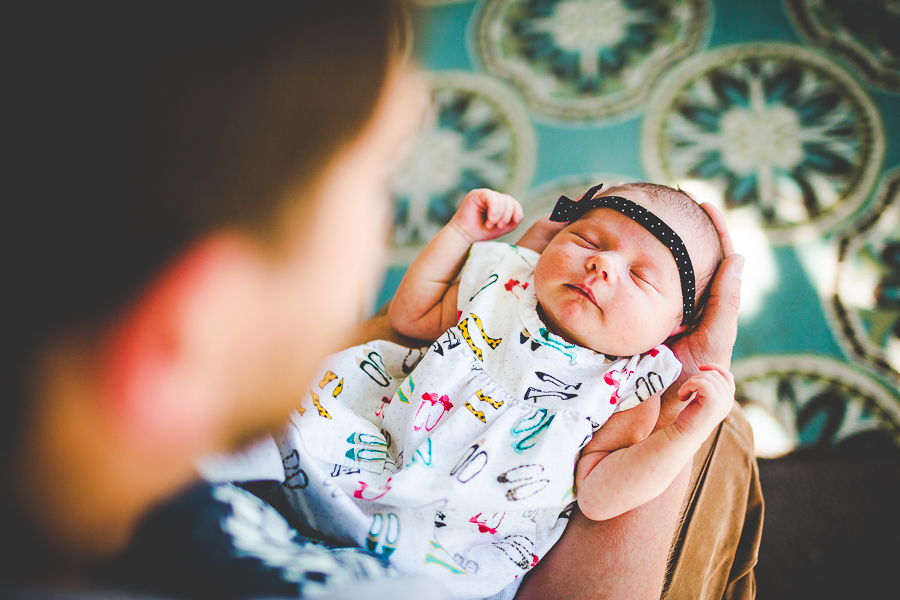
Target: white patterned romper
[{"x": 460, "y": 467}]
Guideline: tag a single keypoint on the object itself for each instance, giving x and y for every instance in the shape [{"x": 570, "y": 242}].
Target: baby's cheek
[
  {"x": 553, "y": 264},
  {"x": 543, "y": 277}
]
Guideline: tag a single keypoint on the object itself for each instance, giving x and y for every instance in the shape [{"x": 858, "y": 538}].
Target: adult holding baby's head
[
  {"x": 196, "y": 215},
  {"x": 700, "y": 538},
  {"x": 196, "y": 212}
]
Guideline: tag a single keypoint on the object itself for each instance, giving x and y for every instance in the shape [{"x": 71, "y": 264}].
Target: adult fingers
[
  {"x": 717, "y": 330},
  {"x": 718, "y": 220},
  {"x": 712, "y": 339}
]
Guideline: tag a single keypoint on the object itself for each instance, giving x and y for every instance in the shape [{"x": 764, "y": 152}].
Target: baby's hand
[
  {"x": 486, "y": 215},
  {"x": 711, "y": 395}
]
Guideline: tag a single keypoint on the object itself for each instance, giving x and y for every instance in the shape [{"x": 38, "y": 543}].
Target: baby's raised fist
[{"x": 486, "y": 215}]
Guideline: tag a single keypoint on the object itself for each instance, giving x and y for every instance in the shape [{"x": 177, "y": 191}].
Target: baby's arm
[
  {"x": 611, "y": 483},
  {"x": 425, "y": 303}
]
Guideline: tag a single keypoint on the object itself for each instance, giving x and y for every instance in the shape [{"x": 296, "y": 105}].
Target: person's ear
[
  {"x": 678, "y": 330},
  {"x": 165, "y": 355}
]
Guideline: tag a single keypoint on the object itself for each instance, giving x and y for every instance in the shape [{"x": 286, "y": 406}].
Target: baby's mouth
[{"x": 584, "y": 291}]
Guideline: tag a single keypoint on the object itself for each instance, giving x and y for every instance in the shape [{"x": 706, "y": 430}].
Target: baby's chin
[{"x": 610, "y": 349}]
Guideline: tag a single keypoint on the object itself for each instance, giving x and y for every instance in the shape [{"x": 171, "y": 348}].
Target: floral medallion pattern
[
  {"x": 784, "y": 135},
  {"x": 477, "y": 135},
  {"x": 578, "y": 60},
  {"x": 863, "y": 32},
  {"x": 818, "y": 401},
  {"x": 865, "y": 306}
]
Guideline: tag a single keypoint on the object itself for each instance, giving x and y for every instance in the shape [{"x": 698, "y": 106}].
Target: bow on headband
[{"x": 567, "y": 210}]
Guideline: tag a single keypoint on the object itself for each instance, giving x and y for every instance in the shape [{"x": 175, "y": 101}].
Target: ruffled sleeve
[
  {"x": 646, "y": 375},
  {"x": 484, "y": 264}
]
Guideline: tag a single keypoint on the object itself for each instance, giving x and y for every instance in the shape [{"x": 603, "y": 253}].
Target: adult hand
[
  {"x": 634, "y": 546},
  {"x": 712, "y": 339}
]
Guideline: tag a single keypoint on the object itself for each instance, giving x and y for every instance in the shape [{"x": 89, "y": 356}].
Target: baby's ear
[{"x": 678, "y": 330}]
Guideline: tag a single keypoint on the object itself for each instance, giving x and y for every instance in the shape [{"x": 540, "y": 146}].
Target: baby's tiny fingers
[
  {"x": 687, "y": 390},
  {"x": 509, "y": 211},
  {"x": 494, "y": 209},
  {"x": 704, "y": 383},
  {"x": 714, "y": 368}
]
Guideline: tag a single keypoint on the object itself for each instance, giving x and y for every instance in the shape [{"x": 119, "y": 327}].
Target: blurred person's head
[{"x": 197, "y": 215}]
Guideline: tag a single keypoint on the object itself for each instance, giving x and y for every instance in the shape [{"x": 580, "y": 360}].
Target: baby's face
[{"x": 608, "y": 284}]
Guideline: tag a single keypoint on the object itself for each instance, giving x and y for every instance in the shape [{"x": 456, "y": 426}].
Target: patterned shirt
[{"x": 458, "y": 461}]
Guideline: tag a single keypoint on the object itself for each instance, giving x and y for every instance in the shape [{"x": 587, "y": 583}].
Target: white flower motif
[{"x": 586, "y": 27}]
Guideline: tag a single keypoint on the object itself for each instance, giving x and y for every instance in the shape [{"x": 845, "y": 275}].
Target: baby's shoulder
[{"x": 495, "y": 267}]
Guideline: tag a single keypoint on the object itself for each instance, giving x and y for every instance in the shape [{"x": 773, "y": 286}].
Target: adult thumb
[{"x": 720, "y": 316}]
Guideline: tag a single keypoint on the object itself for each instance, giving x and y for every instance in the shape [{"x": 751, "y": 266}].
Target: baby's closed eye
[
  {"x": 584, "y": 241},
  {"x": 643, "y": 276}
]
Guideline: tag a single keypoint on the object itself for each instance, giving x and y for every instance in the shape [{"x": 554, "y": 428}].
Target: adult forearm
[
  {"x": 619, "y": 558},
  {"x": 379, "y": 328}
]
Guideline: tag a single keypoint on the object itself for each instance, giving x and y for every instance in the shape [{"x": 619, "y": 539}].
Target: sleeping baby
[{"x": 462, "y": 460}]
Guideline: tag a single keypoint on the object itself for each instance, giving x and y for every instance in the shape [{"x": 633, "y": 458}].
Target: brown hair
[{"x": 141, "y": 126}]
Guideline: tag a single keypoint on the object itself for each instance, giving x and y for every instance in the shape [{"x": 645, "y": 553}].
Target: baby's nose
[{"x": 606, "y": 266}]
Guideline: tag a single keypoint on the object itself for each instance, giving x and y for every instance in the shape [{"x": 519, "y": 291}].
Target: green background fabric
[{"x": 816, "y": 350}]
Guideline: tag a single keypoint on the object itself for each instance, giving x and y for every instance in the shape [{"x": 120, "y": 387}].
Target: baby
[{"x": 461, "y": 461}]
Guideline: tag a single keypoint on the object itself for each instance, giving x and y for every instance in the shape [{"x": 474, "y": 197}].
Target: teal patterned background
[{"x": 785, "y": 113}]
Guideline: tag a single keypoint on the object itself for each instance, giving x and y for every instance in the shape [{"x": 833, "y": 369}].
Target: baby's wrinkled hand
[
  {"x": 710, "y": 394},
  {"x": 486, "y": 215}
]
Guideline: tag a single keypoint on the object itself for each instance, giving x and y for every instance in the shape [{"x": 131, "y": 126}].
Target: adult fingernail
[{"x": 738, "y": 266}]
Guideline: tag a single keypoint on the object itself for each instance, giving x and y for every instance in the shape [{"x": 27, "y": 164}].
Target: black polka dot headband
[{"x": 567, "y": 210}]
